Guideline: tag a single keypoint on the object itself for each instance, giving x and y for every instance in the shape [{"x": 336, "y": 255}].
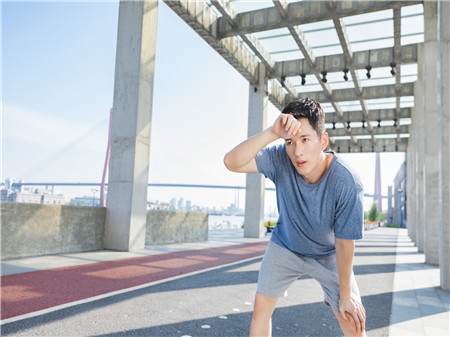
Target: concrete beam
[
  {"x": 334, "y": 63},
  {"x": 200, "y": 17},
  {"x": 131, "y": 125},
  {"x": 299, "y": 13},
  {"x": 384, "y": 130},
  {"x": 345, "y": 95},
  {"x": 309, "y": 57},
  {"x": 339, "y": 25},
  {"x": 373, "y": 115},
  {"x": 366, "y": 145},
  {"x": 227, "y": 10}
]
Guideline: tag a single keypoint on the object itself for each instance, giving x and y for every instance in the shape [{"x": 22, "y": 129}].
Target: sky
[{"x": 58, "y": 62}]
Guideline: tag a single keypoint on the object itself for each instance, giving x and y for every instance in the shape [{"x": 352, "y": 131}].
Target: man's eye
[
  {"x": 288, "y": 143},
  {"x": 305, "y": 139}
]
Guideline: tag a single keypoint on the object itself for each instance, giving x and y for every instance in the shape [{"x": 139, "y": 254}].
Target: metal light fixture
[
  {"x": 345, "y": 74},
  {"x": 393, "y": 65},
  {"x": 303, "y": 76},
  {"x": 283, "y": 79},
  {"x": 324, "y": 76},
  {"x": 368, "y": 68}
]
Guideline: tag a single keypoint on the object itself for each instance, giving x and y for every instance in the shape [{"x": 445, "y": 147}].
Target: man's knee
[
  {"x": 348, "y": 327},
  {"x": 264, "y": 305}
]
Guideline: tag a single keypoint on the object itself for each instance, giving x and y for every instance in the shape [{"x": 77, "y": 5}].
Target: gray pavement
[{"x": 400, "y": 294}]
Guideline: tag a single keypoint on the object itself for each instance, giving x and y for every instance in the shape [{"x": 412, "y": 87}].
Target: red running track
[{"x": 28, "y": 292}]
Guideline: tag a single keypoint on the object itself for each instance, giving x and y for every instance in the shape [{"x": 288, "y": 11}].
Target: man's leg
[
  {"x": 348, "y": 328},
  {"x": 262, "y": 315}
]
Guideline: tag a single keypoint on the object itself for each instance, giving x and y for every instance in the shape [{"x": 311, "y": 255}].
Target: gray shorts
[{"x": 280, "y": 268}]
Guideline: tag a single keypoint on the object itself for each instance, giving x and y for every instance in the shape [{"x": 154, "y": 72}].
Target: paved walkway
[{"x": 208, "y": 291}]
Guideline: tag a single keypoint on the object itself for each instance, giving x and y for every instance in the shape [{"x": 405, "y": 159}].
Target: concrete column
[
  {"x": 255, "y": 184},
  {"x": 444, "y": 250},
  {"x": 131, "y": 120},
  {"x": 419, "y": 122},
  {"x": 410, "y": 183},
  {"x": 432, "y": 184}
]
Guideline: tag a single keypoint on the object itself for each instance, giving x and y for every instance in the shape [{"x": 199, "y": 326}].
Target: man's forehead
[{"x": 303, "y": 135}]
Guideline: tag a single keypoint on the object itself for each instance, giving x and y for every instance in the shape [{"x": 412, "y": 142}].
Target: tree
[{"x": 373, "y": 213}]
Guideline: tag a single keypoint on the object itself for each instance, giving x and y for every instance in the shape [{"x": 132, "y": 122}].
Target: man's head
[
  {"x": 306, "y": 148},
  {"x": 310, "y": 109}
]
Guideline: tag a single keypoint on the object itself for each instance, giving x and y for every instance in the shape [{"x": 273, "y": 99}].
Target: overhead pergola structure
[
  {"x": 278, "y": 37},
  {"x": 380, "y": 69}
]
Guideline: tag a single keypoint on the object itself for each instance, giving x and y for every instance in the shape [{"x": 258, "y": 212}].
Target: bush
[
  {"x": 270, "y": 223},
  {"x": 393, "y": 225}
]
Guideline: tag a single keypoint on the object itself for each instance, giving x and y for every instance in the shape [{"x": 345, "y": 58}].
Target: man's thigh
[
  {"x": 325, "y": 272},
  {"x": 279, "y": 269}
]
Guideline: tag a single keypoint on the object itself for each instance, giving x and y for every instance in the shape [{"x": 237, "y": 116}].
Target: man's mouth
[{"x": 301, "y": 163}]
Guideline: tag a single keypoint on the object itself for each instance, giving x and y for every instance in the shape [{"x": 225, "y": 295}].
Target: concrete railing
[
  {"x": 36, "y": 229},
  {"x": 173, "y": 227}
]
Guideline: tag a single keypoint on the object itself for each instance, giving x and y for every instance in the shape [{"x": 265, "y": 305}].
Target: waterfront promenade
[{"x": 207, "y": 289}]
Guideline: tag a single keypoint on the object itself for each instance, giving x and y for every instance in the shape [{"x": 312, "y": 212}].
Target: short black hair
[{"x": 310, "y": 109}]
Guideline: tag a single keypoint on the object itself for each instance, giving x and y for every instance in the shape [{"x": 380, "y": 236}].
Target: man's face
[{"x": 305, "y": 151}]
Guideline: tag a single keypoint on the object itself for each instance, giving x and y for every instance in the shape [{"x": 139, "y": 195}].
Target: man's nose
[{"x": 298, "y": 150}]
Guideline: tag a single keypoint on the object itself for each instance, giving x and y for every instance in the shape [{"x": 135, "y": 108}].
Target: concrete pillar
[
  {"x": 255, "y": 184},
  {"x": 390, "y": 214},
  {"x": 432, "y": 185},
  {"x": 131, "y": 120},
  {"x": 444, "y": 250},
  {"x": 410, "y": 183},
  {"x": 419, "y": 122}
]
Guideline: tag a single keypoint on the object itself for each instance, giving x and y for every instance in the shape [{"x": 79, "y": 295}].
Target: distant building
[
  {"x": 397, "y": 209},
  {"x": 181, "y": 204},
  {"x": 58, "y": 199},
  {"x": 28, "y": 197},
  {"x": 20, "y": 194}
]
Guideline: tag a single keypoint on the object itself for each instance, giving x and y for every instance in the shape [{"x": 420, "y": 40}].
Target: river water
[{"x": 230, "y": 221}]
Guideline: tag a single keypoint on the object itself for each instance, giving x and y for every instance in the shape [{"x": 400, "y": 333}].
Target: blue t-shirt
[{"x": 311, "y": 216}]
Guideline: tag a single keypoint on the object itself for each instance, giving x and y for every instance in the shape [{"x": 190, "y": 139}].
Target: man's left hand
[{"x": 354, "y": 308}]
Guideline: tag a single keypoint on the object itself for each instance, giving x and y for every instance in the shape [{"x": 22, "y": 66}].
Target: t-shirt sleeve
[
  {"x": 266, "y": 161},
  {"x": 349, "y": 218}
]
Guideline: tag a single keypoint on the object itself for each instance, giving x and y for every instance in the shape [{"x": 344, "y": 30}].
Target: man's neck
[{"x": 322, "y": 168}]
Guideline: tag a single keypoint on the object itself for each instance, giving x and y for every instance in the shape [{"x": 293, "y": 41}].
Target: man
[{"x": 320, "y": 215}]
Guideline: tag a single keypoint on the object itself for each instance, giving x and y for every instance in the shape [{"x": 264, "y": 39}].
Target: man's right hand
[
  {"x": 286, "y": 126},
  {"x": 242, "y": 157}
]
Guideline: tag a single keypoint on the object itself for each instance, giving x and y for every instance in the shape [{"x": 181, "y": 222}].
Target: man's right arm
[{"x": 242, "y": 157}]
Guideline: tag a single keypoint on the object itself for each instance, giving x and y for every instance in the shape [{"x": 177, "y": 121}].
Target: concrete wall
[
  {"x": 173, "y": 227},
  {"x": 34, "y": 229}
]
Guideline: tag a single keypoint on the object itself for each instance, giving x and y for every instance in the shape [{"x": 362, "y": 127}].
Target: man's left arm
[{"x": 344, "y": 259}]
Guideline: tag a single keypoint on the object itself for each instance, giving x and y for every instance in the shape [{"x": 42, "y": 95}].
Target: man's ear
[{"x": 324, "y": 141}]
